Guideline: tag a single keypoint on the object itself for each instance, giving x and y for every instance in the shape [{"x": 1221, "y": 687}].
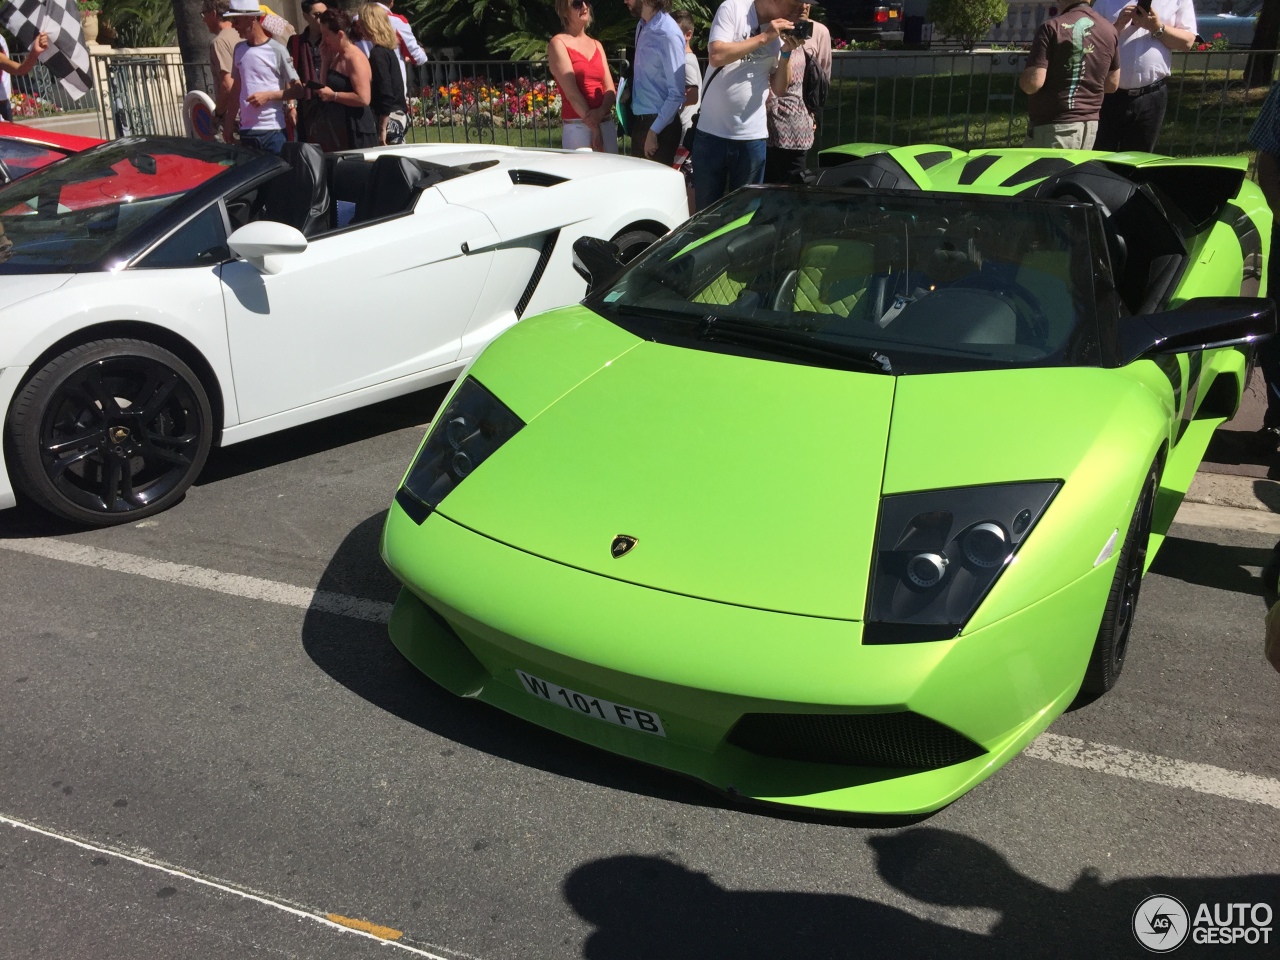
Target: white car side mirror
[{"x": 263, "y": 239}]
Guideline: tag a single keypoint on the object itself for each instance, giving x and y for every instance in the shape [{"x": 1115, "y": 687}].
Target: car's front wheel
[
  {"x": 1110, "y": 648},
  {"x": 110, "y": 431}
]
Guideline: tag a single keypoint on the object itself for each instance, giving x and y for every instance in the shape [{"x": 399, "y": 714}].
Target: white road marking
[
  {"x": 1069, "y": 751},
  {"x": 225, "y": 887},
  {"x": 237, "y": 585},
  {"x": 1150, "y": 768}
]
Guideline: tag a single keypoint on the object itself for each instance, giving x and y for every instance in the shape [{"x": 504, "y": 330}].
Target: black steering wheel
[{"x": 1034, "y": 318}]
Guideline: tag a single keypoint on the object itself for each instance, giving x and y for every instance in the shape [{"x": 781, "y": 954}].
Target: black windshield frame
[{"x": 1070, "y": 225}]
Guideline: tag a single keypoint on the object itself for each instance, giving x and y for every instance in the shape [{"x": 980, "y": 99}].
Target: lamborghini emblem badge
[{"x": 622, "y": 545}]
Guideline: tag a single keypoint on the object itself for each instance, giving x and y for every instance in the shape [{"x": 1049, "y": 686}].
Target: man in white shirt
[
  {"x": 744, "y": 47},
  {"x": 1132, "y": 116},
  {"x": 262, "y": 78}
]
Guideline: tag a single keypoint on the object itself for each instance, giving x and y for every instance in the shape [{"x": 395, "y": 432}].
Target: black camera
[{"x": 803, "y": 30}]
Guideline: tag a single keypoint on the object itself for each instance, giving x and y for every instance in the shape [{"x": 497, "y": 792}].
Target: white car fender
[{"x": 167, "y": 299}]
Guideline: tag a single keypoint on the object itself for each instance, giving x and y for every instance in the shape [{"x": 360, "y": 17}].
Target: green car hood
[
  {"x": 744, "y": 481},
  {"x": 758, "y": 483}
]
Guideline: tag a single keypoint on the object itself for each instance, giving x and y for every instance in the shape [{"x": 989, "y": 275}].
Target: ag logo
[
  {"x": 622, "y": 545},
  {"x": 1161, "y": 924}
]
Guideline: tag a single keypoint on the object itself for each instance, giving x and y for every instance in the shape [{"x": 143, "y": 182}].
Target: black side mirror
[
  {"x": 1199, "y": 324},
  {"x": 597, "y": 261}
]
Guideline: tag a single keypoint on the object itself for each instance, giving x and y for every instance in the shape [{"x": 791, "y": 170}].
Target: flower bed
[
  {"x": 30, "y": 105},
  {"x": 1219, "y": 42},
  {"x": 477, "y": 101}
]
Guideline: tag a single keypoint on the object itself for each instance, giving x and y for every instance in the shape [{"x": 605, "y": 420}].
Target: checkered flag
[{"x": 67, "y": 57}]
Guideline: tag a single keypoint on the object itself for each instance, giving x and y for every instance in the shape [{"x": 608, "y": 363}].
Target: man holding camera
[
  {"x": 744, "y": 47},
  {"x": 1149, "y": 31},
  {"x": 1073, "y": 62}
]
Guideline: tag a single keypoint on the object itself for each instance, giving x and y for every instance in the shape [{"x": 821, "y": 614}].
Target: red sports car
[{"x": 24, "y": 148}]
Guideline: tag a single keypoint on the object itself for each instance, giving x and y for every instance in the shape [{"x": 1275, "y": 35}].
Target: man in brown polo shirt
[
  {"x": 1073, "y": 62},
  {"x": 221, "y": 53}
]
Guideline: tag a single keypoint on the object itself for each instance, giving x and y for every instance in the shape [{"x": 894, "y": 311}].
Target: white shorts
[{"x": 577, "y": 135}]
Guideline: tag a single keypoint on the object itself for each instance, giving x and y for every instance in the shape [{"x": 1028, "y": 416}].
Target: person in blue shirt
[{"x": 657, "y": 82}]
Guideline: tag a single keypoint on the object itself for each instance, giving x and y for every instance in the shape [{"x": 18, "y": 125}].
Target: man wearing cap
[
  {"x": 1131, "y": 117},
  {"x": 1073, "y": 63},
  {"x": 262, "y": 78}
]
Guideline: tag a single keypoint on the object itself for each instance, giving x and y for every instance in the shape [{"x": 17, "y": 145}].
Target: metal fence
[
  {"x": 488, "y": 101},
  {"x": 142, "y": 91},
  {"x": 966, "y": 100},
  {"x": 39, "y": 94},
  {"x": 971, "y": 101}
]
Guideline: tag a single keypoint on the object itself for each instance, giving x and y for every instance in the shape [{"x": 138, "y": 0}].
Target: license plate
[{"x": 633, "y": 718}]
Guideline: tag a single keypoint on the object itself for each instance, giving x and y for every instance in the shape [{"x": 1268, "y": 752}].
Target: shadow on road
[
  {"x": 1216, "y": 565},
  {"x": 321, "y": 435},
  {"x": 644, "y": 907}
]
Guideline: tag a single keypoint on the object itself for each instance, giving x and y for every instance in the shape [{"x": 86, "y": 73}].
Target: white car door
[{"x": 357, "y": 308}]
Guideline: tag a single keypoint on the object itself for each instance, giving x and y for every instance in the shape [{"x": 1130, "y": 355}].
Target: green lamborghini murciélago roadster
[{"x": 841, "y": 493}]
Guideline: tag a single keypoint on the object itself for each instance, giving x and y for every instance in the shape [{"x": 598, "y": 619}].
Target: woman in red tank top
[{"x": 587, "y": 92}]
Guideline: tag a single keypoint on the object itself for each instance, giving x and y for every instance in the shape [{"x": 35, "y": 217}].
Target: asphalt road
[{"x": 201, "y": 765}]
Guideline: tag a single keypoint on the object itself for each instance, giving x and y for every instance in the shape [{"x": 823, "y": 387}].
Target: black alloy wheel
[
  {"x": 1107, "y": 659},
  {"x": 110, "y": 432},
  {"x": 632, "y": 243}
]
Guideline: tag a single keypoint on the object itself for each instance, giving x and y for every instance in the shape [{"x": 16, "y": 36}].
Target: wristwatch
[{"x": 1159, "y": 32}]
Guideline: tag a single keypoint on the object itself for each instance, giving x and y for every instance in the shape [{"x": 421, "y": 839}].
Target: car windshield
[
  {"x": 69, "y": 215},
  {"x": 20, "y": 157},
  {"x": 902, "y": 282}
]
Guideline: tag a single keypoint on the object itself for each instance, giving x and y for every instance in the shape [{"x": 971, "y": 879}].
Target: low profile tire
[
  {"x": 1109, "y": 649},
  {"x": 109, "y": 432},
  {"x": 632, "y": 243}
]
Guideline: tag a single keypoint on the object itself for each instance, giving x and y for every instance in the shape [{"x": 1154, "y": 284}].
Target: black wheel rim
[
  {"x": 120, "y": 434},
  {"x": 1133, "y": 575}
]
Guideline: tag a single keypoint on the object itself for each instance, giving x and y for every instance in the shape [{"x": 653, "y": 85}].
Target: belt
[{"x": 1149, "y": 88}]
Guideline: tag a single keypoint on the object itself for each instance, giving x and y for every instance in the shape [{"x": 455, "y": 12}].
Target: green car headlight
[
  {"x": 468, "y": 432},
  {"x": 939, "y": 553}
]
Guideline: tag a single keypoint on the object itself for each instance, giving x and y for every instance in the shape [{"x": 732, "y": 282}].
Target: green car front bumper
[{"x": 474, "y": 614}]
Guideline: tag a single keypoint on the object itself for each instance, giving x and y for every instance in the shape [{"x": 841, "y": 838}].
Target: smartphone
[
  {"x": 803, "y": 30},
  {"x": 314, "y": 85},
  {"x": 1144, "y": 6}
]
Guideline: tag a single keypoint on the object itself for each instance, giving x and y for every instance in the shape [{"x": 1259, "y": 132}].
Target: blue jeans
[
  {"x": 269, "y": 140},
  {"x": 721, "y": 166}
]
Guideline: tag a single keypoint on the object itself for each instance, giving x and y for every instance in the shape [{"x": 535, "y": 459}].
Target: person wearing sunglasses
[{"x": 587, "y": 91}]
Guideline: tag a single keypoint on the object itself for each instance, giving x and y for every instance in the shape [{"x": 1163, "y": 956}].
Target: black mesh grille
[
  {"x": 548, "y": 245},
  {"x": 854, "y": 739},
  {"x": 534, "y": 178}
]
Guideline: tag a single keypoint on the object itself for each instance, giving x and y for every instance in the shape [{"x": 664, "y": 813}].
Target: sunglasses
[{"x": 580, "y": 4}]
